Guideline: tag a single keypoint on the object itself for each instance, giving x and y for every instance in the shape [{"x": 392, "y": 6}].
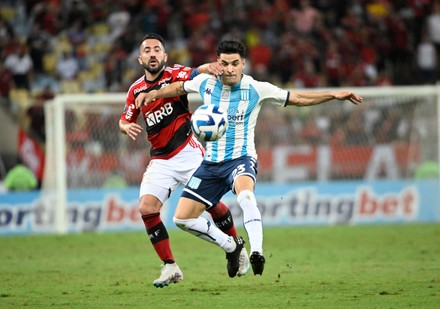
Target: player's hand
[
  {"x": 215, "y": 68},
  {"x": 348, "y": 95},
  {"x": 144, "y": 98},
  {"x": 132, "y": 130}
]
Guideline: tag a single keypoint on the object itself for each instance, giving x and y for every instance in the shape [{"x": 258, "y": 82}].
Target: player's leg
[
  {"x": 253, "y": 225},
  {"x": 243, "y": 187},
  {"x": 222, "y": 218},
  {"x": 157, "y": 184},
  {"x": 188, "y": 218},
  {"x": 149, "y": 208},
  {"x": 190, "y": 159}
]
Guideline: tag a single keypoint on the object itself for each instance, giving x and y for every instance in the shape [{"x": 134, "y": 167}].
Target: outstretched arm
[
  {"x": 172, "y": 90},
  {"x": 313, "y": 98}
]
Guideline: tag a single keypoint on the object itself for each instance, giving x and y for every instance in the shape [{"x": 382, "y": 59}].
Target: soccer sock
[
  {"x": 251, "y": 220},
  {"x": 204, "y": 229},
  {"x": 158, "y": 236},
  {"x": 222, "y": 217}
]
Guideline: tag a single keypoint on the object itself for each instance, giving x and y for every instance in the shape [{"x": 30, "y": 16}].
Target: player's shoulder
[
  {"x": 138, "y": 85},
  {"x": 249, "y": 80}
]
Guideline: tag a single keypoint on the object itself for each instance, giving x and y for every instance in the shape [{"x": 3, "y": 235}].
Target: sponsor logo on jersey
[
  {"x": 183, "y": 75},
  {"x": 129, "y": 111},
  {"x": 235, "y": 117},
  {"x": 156, "y": 116},
  {"x": 164, "y": 82},
  {"x": 140, "y": 89},
  {"x": 208, "y": 91}
]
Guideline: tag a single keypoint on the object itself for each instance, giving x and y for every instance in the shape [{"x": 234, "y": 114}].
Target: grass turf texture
[{"x": 395, "y": 266}]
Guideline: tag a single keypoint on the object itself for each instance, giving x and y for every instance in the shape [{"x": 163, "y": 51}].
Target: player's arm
[
  {"x": 314, "y": 98},
  {"x": 132, "y": 129},
  {"x": 172, "y": 90}
]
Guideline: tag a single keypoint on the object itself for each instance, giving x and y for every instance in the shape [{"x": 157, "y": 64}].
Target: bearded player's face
[{"x": 152, "y": 56}]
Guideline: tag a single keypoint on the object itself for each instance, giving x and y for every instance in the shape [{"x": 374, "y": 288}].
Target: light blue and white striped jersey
[{"x": 242, "y": 103}]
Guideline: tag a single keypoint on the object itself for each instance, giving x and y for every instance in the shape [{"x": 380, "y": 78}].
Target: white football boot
[
  {"x": 170, "y": 273},
  {"x": 244, "y": 263}
]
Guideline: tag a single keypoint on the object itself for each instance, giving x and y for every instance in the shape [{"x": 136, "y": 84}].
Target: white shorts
[{"x": 162, "y": 177}]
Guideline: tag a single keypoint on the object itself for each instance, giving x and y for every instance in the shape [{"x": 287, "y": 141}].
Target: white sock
[
  {"x": 206, "y": 230},
  {"x": 251, "y": 220}
]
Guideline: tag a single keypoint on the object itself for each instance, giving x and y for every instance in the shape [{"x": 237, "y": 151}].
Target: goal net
[{"x": 394, "y": 134}]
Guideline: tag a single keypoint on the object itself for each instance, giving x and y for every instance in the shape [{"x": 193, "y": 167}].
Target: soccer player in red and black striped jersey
[{"x": 175, "y": 152}]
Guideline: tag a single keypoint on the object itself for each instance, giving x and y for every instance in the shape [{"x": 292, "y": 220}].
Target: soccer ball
[{"x": 209, "y": 122}]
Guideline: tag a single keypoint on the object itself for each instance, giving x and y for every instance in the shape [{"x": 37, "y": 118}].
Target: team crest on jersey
[
  {"x": 225, "y": 95},
  {"x": 244, "y": 95},
  {"x": 194, "y": 182}
]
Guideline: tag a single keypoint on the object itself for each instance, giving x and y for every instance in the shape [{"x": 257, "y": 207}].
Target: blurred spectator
[
  {"x": 36, "y": 118},
  {"x": 305, "y": 17},
  {"x": 118, "y": 21},
  {"x": 355, "y": 133},
  {"x": 78, "y": 13},
  {"x": 39, "y": 43},
  {"x": 259, "y": 53},
  {"x": 307, "y": 78},
  {"x": 20, "y": 64},
  {"x": 6, "y": 34},
  {"x": 332, "y": 65},
  {"x": 310, "y": 132},
  {"x": 67, "y": 66},
  {"x": 385, "y": 129},
  {"x": 433, "y": 25},
  {"x": 114, "y": 67},
  {"x": 426, "y": 61},
  {"x": 6, "y": 84},
  {"x": 20, "y": 178},
  {"x": 45, "y": 15}
]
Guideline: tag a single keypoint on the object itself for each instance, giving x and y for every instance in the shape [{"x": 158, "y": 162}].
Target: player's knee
[
  {"x": 246, "y": 197},
  {"x": 184, "y": 224},
  {"x": 149, "y": 205}
]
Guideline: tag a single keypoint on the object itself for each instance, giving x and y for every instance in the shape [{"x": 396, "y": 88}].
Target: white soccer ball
[{"x": 209, "y": 122}]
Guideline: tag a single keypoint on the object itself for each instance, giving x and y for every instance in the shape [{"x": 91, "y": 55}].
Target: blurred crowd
[
  {"x": 77, "y": 46},
  {"x": 91, "y": 46}
]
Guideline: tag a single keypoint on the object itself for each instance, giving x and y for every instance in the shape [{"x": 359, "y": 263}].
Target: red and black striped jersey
[{"x": 168, "y": 119}]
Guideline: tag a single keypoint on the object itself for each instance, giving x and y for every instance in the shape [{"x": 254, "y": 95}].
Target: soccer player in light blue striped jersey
[{"x": 230, "y": 163}]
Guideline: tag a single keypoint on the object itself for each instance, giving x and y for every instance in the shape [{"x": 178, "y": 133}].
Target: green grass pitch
[{"x": 376, "y": 266}]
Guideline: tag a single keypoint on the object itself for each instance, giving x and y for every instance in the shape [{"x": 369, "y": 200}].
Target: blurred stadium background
[{"x": 66, "y": 66}]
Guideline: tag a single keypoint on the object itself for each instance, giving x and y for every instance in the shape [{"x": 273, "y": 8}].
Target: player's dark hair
[
  {"x": 154, "y": 36},
  {"x": 231, "y": 47}
]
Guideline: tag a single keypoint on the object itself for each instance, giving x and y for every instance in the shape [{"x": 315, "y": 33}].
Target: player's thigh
[
  {"x": 244, "y": 174},
  {"x": 188, "y": 208},
  {"x": 160, "y": 180},
  {"x": 207, "y": 185},
  {"x": 187, "y": 161}
]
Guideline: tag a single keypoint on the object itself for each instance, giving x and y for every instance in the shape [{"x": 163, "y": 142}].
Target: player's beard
[{"x": 155, "y": 70}]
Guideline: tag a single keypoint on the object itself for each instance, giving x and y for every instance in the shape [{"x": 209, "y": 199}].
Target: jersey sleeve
[
  {"x": 130, "y": 112},
  {"x": 182, "y": 73},
  {"x": 194, "y": 84},
  {"x": 273, "y": 94}
]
